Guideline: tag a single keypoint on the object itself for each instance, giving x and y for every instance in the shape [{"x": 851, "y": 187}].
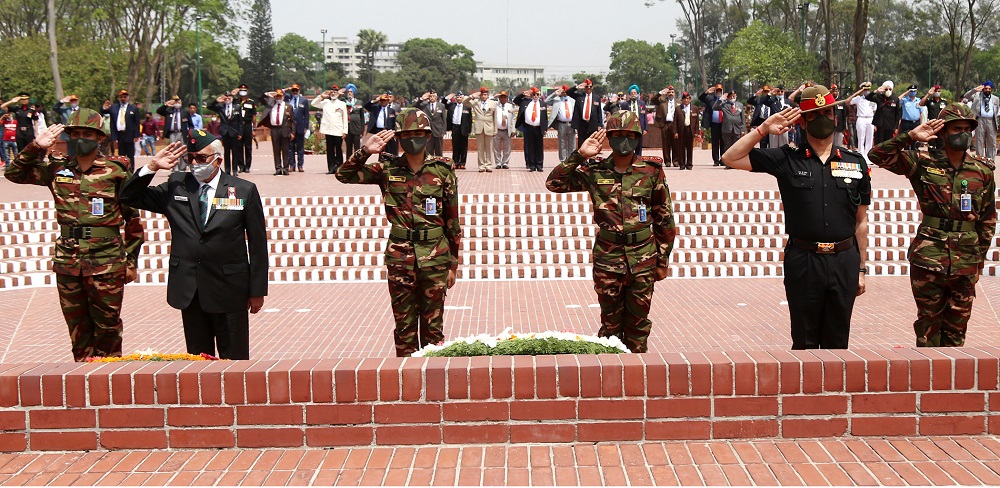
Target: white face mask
[
  {"x": 202, "y": 172},
  {"x": 243, "y": 93},
  {"x": 888, "y": 93}
]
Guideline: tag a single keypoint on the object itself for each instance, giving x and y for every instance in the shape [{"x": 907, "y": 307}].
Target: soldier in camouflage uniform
[
  {"x": 93, "y": 260},
  {"x": 421, "y": 204},
  {"x": 956, "y": 192},
  {"x": 633, "y": 211}
]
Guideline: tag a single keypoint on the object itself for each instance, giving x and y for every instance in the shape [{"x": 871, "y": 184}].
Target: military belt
[
  {"x": 416, "y": 235},
  {"x": 949, "y": 225},
  {"x": 823, "y": 247},
  {"x": 81, "y": 232},
  {"x": 625, "y": 237}
]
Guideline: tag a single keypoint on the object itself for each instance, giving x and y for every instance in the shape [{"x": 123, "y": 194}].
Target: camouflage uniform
[
  {"x": 90, "y": 271},
  {"x": 948, "y": 253},
  {"x": 626, "y": 250},
  {"x": 423, "y": 246}
]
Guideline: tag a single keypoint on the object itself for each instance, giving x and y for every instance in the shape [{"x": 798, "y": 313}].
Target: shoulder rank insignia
[
  {"x": 651, "y": 159},
  {"x": 986, "y": 161},
  {"x": 809, "y": 153}
]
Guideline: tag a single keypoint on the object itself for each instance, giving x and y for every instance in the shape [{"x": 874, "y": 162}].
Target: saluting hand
[
  {"x": 927, "y": 131},
  {"x": 166, "y": 158},
  {"x": 781, "y": 122},
  {"x": 47, "y": 137},
  {"x": 593, "y": 145},
  {"x": 377, "y": 142}
]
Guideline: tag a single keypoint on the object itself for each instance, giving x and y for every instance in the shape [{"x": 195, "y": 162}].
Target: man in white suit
[
  {"x": 333, "y": 125},
  {"x": 484, "y": 126},
  {"x": 506, "y": 115}
]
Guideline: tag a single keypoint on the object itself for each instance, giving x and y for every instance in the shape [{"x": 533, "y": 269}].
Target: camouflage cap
[
  {"x": 411, "y": 119},
  {"x": 958, "y": 111},
  {"x": 624, "y": 120},
  {"x": 86, "y": 118}
]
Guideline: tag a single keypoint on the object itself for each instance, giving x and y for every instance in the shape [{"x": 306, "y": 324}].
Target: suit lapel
[{"x": 191, "y": 185}]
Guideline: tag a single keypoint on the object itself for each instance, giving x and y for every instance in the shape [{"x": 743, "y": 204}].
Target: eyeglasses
[{"x": 203, "y": 158}]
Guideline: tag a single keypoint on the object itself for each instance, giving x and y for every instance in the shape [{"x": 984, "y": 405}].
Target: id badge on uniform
[
  {"x": 97, "y": 207},
  {"x": 642, "y": 212},
  {"x": 430, "y": 206},
  {"x": 965, "y": 202}
]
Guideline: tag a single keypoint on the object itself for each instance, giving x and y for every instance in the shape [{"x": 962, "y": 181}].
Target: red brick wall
[{"x": 498, "y": 400}]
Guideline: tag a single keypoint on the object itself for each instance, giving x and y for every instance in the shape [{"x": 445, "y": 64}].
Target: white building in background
[
  {"x": 515, "y": 75},
  {"x": 345, "y": 51}
]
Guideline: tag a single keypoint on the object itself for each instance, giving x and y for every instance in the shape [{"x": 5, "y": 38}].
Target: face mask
[
  {"x": 83, "y": 146},
  {"x": 202, "y": 172},
  {"x": 937, "y": 95},
  {"x": 623, "y": 145},
  {"x": 888, "y": 93},
  {"x": 242, "y": 93},
  {"x": 960, "y": 141},
  {"x": 913, "y": 93},
  {"x": 821, "y": 127},
  {"x": 413, "y": 145},
  {"x": 74, "y": 106}
]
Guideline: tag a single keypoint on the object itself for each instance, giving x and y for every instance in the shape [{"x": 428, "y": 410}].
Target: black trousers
[
  {"x": 353, "y": 143},
  {"x": 821, "y": 289},
  {"x": 297, "y": 150},
  {"x": 582, "y": 135},
  {"x": 334, "y": 152},
  {"x": 247, "y": 144},
  {"x": 204, "y": 332},
  {"x": 435, "y": 146},
  {"x": 459, "y": 149},
  {"x": 232, "y": 154},
  {"x": 883, "y": 133},
  {"x": 906, "y": 126},
  {"x": 534, "y": 154},
  {"x": 716, "y": 143},
  {"x": 279, "y": 146},
  {"x": 22, "y": 141}
]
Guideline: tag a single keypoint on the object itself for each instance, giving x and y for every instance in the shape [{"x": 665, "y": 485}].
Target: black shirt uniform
[
  {"x": 888, "y": 113},
  {"x": 25, "y": 119},
  {"x": 822, "y": 260},
  {"x": 934, "y": 107},
  {"x": 248, "y": 115}
]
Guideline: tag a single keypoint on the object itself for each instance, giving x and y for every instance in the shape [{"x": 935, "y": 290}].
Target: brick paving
[{"x": 865, "y": 461}]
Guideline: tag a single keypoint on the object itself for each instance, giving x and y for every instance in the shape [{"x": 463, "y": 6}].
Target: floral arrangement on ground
[
  {"x": 536, "y": 343},
  {"x": 150, "y": 355}
]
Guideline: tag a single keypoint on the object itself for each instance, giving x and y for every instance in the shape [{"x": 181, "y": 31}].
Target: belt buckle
[
  {"x": 421, "y": 235},
  {"x": 825, "y": 247}
]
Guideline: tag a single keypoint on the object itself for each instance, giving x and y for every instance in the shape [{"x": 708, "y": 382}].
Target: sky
[{"x": 576, "y": 37}]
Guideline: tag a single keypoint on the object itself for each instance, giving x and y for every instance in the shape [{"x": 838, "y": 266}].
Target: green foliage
[
  {"x": 639, "y": 62},
  {"x": 433, "y": 64},
  {"x": 763, "y": 53},
  {"x": 298, "y": 59},
  {"x": 600, "y": 85},
  {"x": 260, "y": 75},
  {"x": 526, "y": 346}
]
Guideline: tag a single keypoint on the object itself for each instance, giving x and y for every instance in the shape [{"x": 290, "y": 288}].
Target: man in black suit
[
  {"x": 230, "y": 128},
  {"x": 437, "y": 115},
  {"x": 761, "y": 101},
  {"x": 533, "y": 121},
  {"x": 460, "y": 125},
  {"x": 218, "y": 249},
  {"x": 279, "y": 118},
  {"x": 300, "y": 110},
  {"x": 589, "y": 113},
  {"x": 382, "y": 116},
  {"x": 125, "y": 125},
  {"x": 713, "y": 120}
]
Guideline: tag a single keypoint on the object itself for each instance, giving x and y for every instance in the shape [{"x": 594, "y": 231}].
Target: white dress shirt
[
  {"x": 456, "y": 118},
  {"x": 671, "y": 104},
  {"x": 538, "y": 115}
]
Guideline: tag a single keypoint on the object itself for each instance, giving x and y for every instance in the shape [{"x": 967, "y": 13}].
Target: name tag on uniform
[
  {"x": 397, "y": 178},
  {"x": 605, "y": 182},
  {"x": 642, "y": 212},
  {"x": 803, "y": 173},
  {"x": 936, "y": 171},
  {"x": 430, "y": 206},
  {"x": 97, "y": 207},
  {"x": 64, "y": 179},
  {"x": 180, "y": 198}
]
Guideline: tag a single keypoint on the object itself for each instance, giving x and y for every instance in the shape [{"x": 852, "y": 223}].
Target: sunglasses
[{"x": 203, "y": 158}]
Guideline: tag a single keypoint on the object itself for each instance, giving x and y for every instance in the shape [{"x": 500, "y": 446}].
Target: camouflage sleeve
[
  {"x": 565, "y": 177},
  {"x": 134, "y": 236},
  {"x": 890, "y": 156},
  {"x": 356, "y": 171},
  {"x": 987, "y": 223},
  {"x": 664, "y": 228},
  {"x": 452, "y": 221},
  {"x": 28, "y": 167}
]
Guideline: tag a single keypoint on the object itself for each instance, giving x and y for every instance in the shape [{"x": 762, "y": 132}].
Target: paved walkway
[{"x": 900, "y": 461}]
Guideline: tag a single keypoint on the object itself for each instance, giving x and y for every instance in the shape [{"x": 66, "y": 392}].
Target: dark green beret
[{"x": 198, "y": 139}]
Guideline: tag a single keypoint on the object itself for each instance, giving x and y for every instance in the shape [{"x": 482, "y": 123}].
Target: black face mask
[
  {"x": 821, "y": 127},
  {"x": 83, "y": 146},
  {"x": 413, "y": 145},
  {"x": 623, "y": 145},
  {"x": 959, "y": 142}
]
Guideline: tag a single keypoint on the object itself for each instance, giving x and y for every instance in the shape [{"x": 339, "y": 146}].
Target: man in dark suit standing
[
  {"x": 382, "y": 116},
  {"x": 665, "y": 104},
  {"x": 279, "y": 118},
  {"x": 686, "y": 123},
  {"x": 761, "y": 102},
  {"x": 713, "y": 121},
  {"x": 533, "y": 121},
  {"x": 888, "y": 112},
  {"x": 300, "y": 111},
  {"x": 230, "y": 128},
  {"x": 125, "y": 125},
  {"x": 176, "y": 124},
  {"x": 218, "y": 249},
  {"x": 589, "y": 113},
  {"x": 437, "y": 115},
  {"x": 460, "y": 125}
]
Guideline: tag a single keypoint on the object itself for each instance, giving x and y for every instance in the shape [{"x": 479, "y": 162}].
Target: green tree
[
  {"x": 260, "y": 64},
  {"x": 370, "y": 41},
  {"x": 298, "y": 59},
  {"x": 762, "y": 53},
  {"x": 638, "y": 62},
  {"x": 434, "y": 64}
]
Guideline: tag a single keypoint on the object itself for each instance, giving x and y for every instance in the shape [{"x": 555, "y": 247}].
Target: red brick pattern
[
  {"x": 967, "y": 460},
  {"x": 543, "y": 399}
]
